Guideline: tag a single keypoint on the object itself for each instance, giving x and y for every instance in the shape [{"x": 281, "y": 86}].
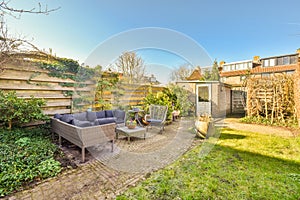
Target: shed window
[{"x": 203, "y": 94}]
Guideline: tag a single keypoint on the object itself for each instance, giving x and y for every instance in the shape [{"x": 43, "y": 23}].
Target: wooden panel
[
  {"x": 10, "y": 74},
  {"x": 57, "y": 111},
  {"x": 34, "y": 85},
  {"x": 53, "y": 103}
]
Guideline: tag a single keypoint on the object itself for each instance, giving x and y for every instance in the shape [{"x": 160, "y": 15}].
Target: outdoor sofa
[{"x": 88, "y": 128}]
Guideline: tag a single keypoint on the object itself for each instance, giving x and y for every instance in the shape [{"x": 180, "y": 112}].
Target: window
[
  {"x": 203, "y": 94},
  {"x": 294, "y": 59},
  {"x": 266, "y": 63},
  {"x": 280, "y": 61},
  {"x": 286, "y": 60},
  {"x": 272, "y": 62}
]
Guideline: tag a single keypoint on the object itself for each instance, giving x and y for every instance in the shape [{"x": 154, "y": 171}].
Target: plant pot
[{"x": 131, "y": 126}]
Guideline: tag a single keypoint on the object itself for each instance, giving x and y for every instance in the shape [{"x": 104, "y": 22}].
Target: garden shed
[{"x": 210, "y": 97}]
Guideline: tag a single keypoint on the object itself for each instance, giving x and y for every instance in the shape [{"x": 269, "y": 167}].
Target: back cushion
[
  {"x": 91, "y": 116},
  {"x": 80, "y": 116},
  {"x": 109, "y": 113},
  {"x": 57, "y": 116},
  {"x": 100, "y": 114},
  {"x": 68, "y": 118},
  {"x": 119, "y": 114}
]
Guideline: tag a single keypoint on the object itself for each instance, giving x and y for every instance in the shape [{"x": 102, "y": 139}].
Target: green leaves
[
  {"x": 14, "y": 110},
  {"x": 25, "y": 156}
]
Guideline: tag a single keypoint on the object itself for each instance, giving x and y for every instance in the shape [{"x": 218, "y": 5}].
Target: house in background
[
  {"x": 229, "y": 95},
  {"x": 235, "y": 73}
]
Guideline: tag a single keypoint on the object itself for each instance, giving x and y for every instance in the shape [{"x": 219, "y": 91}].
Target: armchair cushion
[{"x": 154, "y": 120}]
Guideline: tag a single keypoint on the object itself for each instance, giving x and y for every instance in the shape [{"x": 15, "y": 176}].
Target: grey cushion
[
  {"x": 82, "y": 123},
  {"x": 68, "y": 118},
  {"x": 119, "y": 115},
  {"x": 154, "y": 120},
  {"x": 91, "y": 116},
  {"x": 81, "y": 116},
  {"x": 100, "y": 114},
  {"x": 57, "y": 116},
  {"x": 106, "y": 120},
  {"x": 109, "y": 113}
]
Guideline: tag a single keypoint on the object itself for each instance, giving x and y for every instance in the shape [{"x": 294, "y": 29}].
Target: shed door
[{"x": 204, "y": 99}]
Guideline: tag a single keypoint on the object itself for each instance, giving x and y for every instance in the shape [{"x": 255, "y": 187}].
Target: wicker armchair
[{"x": 157, "y": 116}]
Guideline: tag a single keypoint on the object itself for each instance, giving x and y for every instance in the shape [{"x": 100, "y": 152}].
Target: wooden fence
[{"x": 30, "y": 80}]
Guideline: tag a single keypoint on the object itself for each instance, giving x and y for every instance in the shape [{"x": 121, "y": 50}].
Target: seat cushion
[
  {"x": 154, "y": 120},
  {"x": 100, "y": 114},
  {"x": 91, "y": 116},
  {"x": 109, "y": 113},
  {"x": 82, "y": 123},
  {"x": 106, "y": 120}
]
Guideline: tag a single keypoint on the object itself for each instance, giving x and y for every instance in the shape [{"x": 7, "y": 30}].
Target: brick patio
[{"x": 95, "y": 180}]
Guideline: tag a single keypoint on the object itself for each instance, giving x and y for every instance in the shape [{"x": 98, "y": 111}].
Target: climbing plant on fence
[{"x": 271, "y": 99}]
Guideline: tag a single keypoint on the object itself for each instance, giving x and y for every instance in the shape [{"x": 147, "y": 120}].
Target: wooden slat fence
[{"x": 30, "y": 80}]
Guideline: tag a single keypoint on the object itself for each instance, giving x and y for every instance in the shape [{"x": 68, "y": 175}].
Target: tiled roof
[
  {"x": 260, "y": 70},
  {"x": 196, "y": 75},
  {"x": 234, "y": 73}
]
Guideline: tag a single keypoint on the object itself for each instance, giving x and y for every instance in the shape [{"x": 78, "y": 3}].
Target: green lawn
[{"x": 242, "y": 165}]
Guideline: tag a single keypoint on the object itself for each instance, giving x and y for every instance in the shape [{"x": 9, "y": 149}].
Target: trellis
[{"x": 271, "y": 98}]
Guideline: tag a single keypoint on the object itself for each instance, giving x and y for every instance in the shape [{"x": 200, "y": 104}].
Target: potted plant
[{"x": 131, "y": 124}]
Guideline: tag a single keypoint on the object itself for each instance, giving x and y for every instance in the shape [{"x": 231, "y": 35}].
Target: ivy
[
  {"x": 67, "y": 69},
  {"x": 67, "y": 84}
]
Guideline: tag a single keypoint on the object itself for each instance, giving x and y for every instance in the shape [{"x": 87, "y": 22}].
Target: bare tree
[
  {"x": 181, "y": 73},
  {"x": 132, "y": 66},
  {"x": 13, "y": 47}
]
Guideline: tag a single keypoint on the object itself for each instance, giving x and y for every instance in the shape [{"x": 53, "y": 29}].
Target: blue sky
[{"x": 229, "y": 30}]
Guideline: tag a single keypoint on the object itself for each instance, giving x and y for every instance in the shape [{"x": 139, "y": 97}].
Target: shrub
[
  {"x": 26, "y": 156},
  {"x": 14, "y": 110}
]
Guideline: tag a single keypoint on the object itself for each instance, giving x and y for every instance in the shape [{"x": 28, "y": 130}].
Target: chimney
[
  {"x": 220, "y": 68},
  {"x": 256, "y": 59}
]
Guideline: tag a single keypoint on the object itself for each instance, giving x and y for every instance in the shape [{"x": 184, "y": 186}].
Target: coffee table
[{"x": 136, "y": 132}]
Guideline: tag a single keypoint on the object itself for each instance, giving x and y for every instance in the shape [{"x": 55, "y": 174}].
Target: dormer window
[{"x": 283, "y": 60}]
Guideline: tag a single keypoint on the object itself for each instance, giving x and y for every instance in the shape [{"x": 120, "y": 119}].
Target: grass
[{"x": 242, "y": 165}]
